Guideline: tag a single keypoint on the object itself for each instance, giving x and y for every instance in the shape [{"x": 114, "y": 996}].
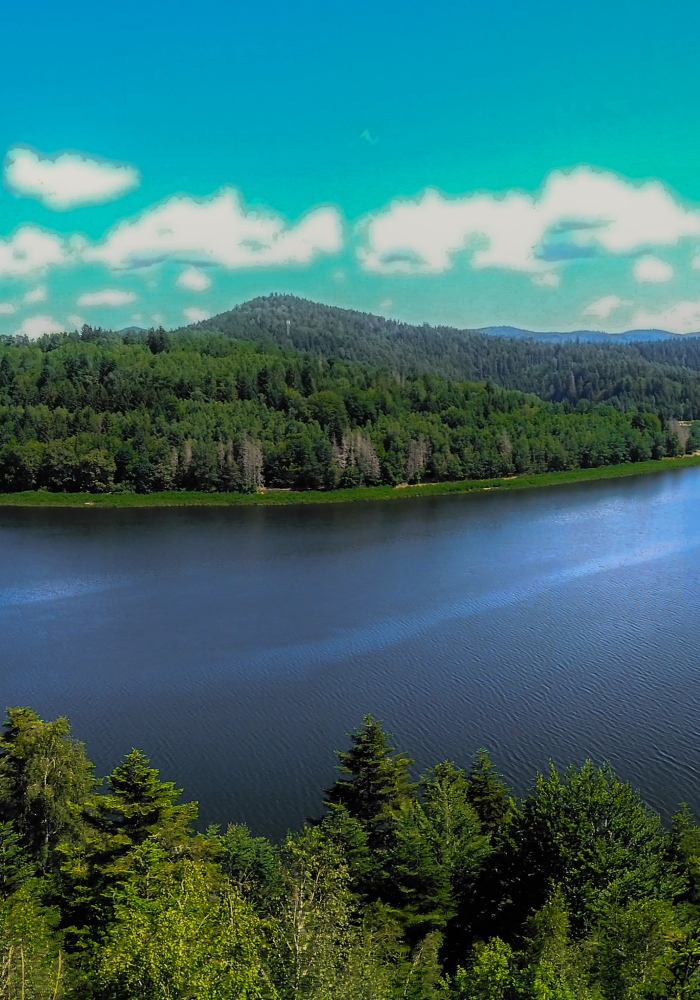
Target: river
[{"x": 238, "y": 646}]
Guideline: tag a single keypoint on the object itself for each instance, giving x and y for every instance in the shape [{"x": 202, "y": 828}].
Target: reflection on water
[{"x": 237, "y": 647}]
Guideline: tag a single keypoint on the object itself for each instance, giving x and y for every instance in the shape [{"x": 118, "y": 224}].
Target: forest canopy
[
  {"x": 145, "y": 411},
  {"x": 439, "y": 886}
]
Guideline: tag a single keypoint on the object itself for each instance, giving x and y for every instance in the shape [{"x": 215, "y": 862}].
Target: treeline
[
  {"x": 441, "y": 888},
  {"x": 103, "y": 412},
  {"x": 663, "y": 375}
]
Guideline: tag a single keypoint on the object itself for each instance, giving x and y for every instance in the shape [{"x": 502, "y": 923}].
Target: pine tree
[
  {"x": 375, "y": 782},
  {"x": 141, "y": 806},
  {"x": 488, "y": 793}
]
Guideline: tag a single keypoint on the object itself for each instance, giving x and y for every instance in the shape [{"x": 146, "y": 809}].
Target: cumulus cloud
[
  {"x": 38, "y": 294},
  {"x": 37, "y": 326},
  {"x": 578, "y": 213},
  {"x": 194, "y": 279},
  {"x": 76, "y": 321},
  {"x": 195, "y": 315},
  {"x": 652, "y": 269},
  {"x": 218, "y": 230},
  {"x": 602, "y": 308},
  {"x": 682, "y": 317},
  {"x": 7, "y": 308},
  {"x": 106, "y": 297},
  {"x": 32, "y": 249},
  {"x": 62, "y": 181}
]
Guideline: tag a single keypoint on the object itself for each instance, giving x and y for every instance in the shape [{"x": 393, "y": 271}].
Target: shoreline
[{"x": 272, "y": 497}]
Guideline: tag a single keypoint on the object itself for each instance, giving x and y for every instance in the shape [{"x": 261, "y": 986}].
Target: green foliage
[
  {"x": 442, "y": 889},
  {"x": 32, "y": 965},
  {"x": 45, "y": 782},
  {"x": 103, "y": 414},
  {"x": 490, "y": 975},
  {"x": 592, "y": 835},
  {"x": 180, "y": 932}
]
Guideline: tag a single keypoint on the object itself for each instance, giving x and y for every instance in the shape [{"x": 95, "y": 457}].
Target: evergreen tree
[
  {"x": 375, "y": 782},
  {"x": 141, "y": 806},
  {"x": 488, "y": 794}
]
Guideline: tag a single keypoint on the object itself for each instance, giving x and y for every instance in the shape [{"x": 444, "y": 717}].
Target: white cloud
[
  {"x": 194, "y": 279},
  {"x": 7, "y": 308},
  {"x": 195, "y": 315},
  {"x": 218, "y": 230},
  {"x": 38, "y": 294},
  {"x": 37, "y": 326},
  {"x": 548, "y": 279},
  {"x": 683, "y": 317},
  {"x": 576, "y": 214},
  {"x": 602, "y": 308},
  {"x": 62, "y": 181},
  {"x": 76, "y": 321},
  {"x": 652, "y": 269},
  {"x": 33, "y": 249},
  {"x": 106, "y": 297}
]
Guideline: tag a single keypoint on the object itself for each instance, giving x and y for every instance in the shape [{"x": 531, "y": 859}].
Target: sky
[{"x": 476, "y": 164}]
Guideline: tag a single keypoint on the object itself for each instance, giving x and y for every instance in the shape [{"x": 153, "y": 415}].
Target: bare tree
[
  {"x": 252, "y": 463},
  {"x": 418, "y": 455}
]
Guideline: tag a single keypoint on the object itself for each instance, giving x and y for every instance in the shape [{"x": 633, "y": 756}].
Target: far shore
[{"x": 278, "y": 497}]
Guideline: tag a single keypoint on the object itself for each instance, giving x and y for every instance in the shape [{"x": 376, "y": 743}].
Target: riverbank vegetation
[
  {"x": 442, "y": 886},
  {"x": 100, "y": 412},
  {"x": 276, "y": 498}
]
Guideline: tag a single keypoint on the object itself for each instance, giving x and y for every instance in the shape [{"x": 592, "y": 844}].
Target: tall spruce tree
[
  {"x": 488, "y": 794},
  {"x": 375, "y": 783},
  {"x": 141, "y": 806}
]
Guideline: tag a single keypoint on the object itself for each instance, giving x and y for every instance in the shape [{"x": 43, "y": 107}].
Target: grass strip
[{"x": 185, "y": 498}]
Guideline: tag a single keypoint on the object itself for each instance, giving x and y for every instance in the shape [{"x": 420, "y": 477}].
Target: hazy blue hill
[{"x": 628, "y": 337}]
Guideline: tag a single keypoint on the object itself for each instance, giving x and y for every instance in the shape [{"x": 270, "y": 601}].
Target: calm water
[{"x": 237, "y": 647}]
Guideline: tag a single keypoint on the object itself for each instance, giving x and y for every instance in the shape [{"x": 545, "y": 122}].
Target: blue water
[{"x": 237, "y": 647}]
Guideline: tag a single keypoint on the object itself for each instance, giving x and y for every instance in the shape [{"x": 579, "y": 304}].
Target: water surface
[{"x": 237, "y": 647}]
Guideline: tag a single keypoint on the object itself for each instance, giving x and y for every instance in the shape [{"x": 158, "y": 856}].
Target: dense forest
[
  {"x": 662, "y": 375},
  {"x": 438, "y": 887},
  {"x": 143, "y": 411}
]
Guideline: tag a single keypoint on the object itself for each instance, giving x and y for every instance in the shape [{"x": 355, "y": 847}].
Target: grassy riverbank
[{"x": 184, "y": 498}]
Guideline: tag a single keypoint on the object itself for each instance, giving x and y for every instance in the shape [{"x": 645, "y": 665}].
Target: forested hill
[
  {"x": 652, "y": 373},
  {"x": 100, "y": 412}
]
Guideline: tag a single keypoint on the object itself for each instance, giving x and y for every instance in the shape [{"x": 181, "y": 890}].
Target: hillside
[
  {"x": 99, "y": 411},
  {"x": 661, "y": 373}
]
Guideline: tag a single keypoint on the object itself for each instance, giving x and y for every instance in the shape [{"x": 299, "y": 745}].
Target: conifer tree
[
  {"x": 141, "y": 806},
  {"x": 488, "y": 793},
  {"x": 375, "y": 782}
]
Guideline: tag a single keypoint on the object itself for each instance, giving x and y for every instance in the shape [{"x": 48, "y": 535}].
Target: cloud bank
[
  {"x": 32, "y": 249},
  {"x": 218, "y": 230},
  {"x": 106, "y": 297},
  {"x": 580, "y": 213},
  {"x": 63, "y": 181}
]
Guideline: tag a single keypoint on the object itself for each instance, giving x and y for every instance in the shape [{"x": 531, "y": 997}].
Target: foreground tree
[{"x": 46, "y": 781}]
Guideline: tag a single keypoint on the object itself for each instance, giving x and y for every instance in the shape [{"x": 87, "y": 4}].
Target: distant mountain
[{"x": 630, "y": 336}]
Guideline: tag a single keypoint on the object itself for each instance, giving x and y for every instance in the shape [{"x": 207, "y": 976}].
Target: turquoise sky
[{"x": 534, "y": 164}]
